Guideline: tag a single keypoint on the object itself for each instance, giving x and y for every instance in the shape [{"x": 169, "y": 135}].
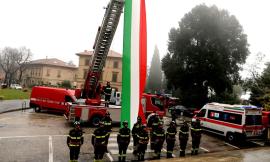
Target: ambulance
[{"x": 234, "y": 122}]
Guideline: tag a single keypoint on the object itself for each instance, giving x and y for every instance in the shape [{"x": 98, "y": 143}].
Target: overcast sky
[{"x": 61, "y": 28}]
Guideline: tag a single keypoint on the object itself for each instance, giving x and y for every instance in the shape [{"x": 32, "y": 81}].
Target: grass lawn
[{"x": 13, "y": 94}]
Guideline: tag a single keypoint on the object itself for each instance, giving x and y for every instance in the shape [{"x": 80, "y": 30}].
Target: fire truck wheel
[
  {"x": 95, "y": 120},
  {"x": 230, "y": 137},
  {"x": 37, "y": 109}
]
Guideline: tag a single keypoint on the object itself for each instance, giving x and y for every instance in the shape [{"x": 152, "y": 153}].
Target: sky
[{"x": 61, "y": 28}]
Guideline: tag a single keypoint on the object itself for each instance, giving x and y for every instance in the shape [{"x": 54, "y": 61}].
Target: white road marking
[
  {"x": 50, "y": 149},
  {"x": 232, "y": 146},
  {"x": 204, "y": 149},
  {"x": 109, "y": 156},
  {"x": 258, "y": 143}
]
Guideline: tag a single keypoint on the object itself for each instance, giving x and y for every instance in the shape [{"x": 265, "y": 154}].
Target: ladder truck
[{"x": 91, "y": 93}]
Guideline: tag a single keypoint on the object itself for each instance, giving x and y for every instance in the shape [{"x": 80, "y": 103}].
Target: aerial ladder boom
[{"x": 104, "y": 37}]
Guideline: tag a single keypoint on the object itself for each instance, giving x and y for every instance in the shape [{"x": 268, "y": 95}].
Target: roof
[
  {"x": 235, "y": 107},
  {"x": 52, "y": 61},
  {"x": 89, "y": 53}
]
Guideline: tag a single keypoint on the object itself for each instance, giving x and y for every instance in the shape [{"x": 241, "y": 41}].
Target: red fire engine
[{"x": 88, "y": 106}]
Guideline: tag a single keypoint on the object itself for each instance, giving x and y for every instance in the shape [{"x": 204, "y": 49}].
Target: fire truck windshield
[{"x": 157, "y": 102}]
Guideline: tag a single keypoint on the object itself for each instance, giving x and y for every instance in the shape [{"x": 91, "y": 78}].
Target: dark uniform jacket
[
  {"x": 123, "y": 136},
  {"x": 196, "y": 130},
  {"x": 170, "y": 134},
  {"x": 75, "y": 138},
  {"x": 143, "y": 137},
  {"x": 159, "y": 135},
  {"x": 107, "y": 123},
  {"x": 107, "y": 90},
  {"x": 99, "y": 136},
  {"x": 136, "y": 128},
  {"x": 184, "y": 132}
]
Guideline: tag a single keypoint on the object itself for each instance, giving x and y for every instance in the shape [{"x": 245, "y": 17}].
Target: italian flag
[{"x": 134, "y": 60}]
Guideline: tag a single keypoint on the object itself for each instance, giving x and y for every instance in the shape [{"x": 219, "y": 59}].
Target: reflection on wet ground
[{"x": 261, "y": 154}]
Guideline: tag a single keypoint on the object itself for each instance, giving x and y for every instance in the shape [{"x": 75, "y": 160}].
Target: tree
[
  {"x": 13, "y": 60},
  {"x": 154, "y": 82},
  {"x": 66, "y": 84},
  {"x": 205, "y": 52}
]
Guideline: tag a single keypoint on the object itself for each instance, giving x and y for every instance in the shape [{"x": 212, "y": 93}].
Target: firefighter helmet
[{"x": 125, "y": 122}]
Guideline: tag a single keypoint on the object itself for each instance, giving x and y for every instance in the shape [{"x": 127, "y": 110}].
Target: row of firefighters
[{"x": 141, "y": 134}]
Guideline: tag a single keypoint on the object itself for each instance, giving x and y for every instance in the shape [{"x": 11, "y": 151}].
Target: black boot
[
  {"x": 119, "y": 159},
  {"x": 169, "y": 155},
  {"x": 182, "y": 153},
  {"x": 123, "y": 159},
  {"x": 192, "y": 152},
  {"x": 196, "y": 152}
]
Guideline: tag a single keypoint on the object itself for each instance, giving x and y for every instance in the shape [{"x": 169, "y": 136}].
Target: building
[
  {"x": 112, "y": 70},
  {"x": 48, "y": 72}
]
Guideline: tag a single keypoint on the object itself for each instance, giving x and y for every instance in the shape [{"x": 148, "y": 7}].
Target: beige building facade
[
  {"x": 49, "y": 72},
  {"x": 112, "y": 70}
]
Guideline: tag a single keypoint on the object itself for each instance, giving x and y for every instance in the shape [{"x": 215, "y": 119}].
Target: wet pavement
[
  {"x": 245, "y": 155},
  {"x": 29, "y": 136},
  {"x": 12, "y": 105}
]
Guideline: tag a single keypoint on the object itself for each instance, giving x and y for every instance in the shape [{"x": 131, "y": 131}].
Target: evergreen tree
[
  {"x": 154, "y": 81},
  {"x": 205, "y": 52}
]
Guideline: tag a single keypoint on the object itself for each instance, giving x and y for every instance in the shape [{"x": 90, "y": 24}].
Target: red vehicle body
[
  {"x": 266, "y": 124},
  {"x": 54, "y": 99},
  {"x": 154, "y": 103},
  {"x": 64, "y": 101}
]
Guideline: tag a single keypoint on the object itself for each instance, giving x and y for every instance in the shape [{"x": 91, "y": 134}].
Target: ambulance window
[{"x": 201, "y": 113}]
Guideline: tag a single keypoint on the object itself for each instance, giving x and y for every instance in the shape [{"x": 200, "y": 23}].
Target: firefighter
[
  {"x": 136, "y": 128},
  {"x": 173, "y": 114},
  {"x": 158, "y": 138},
  {"x": 107, "y": 125},
  {"x": 183, "y": 137},
  {"x": 154, "y": 126},
  {"x": 142, "y": 143},
  {"x": 74, "y": 141},
  {"x": 107, "y": 92},
  {"x": 99, "y": 142},
  {"x": 170, "y": 138},
  {"x": 196, "y": 133},
  {"x": 123, "y": 139}
]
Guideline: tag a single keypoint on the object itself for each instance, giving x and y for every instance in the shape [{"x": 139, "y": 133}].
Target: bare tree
[
  {"x": 13, "y": 60},
  {"x": 25, "y": 56}
]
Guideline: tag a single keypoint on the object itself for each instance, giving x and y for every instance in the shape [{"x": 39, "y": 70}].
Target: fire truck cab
[
  {"x": 153, "y": 103},
  {"x": 235, "y": 122}
]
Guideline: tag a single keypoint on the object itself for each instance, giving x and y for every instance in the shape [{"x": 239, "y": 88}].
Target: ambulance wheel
[
  {"x": 37, "y": 109},
  {"x": 230, "y": 137},
  {"x": 95, "y": 121}
]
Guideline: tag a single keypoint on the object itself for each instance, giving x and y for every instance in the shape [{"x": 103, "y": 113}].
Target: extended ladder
[{"x": 102, "y": 45}]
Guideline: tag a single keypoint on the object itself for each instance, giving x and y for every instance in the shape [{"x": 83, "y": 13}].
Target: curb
[{"x": 17, "y": 109}]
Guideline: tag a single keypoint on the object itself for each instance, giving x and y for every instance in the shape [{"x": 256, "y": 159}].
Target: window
[
  {"x": 86, "y": 62},
  {"x": 115, "y": 64},
  {"x": 201, "y": 113},
  {"x": 253, "y": 119},
  {"x": 157, "y": 102},
  {"x": 224, "y": 116},
  {"x": 48, "y": 72},
  {"x": 59, "y": 73},
  {"x": 114, "y": 77},
  {"x": 85, "y": 73}
]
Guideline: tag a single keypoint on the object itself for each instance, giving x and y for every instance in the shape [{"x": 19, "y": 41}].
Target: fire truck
[{"x": 85, "y": 104}]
